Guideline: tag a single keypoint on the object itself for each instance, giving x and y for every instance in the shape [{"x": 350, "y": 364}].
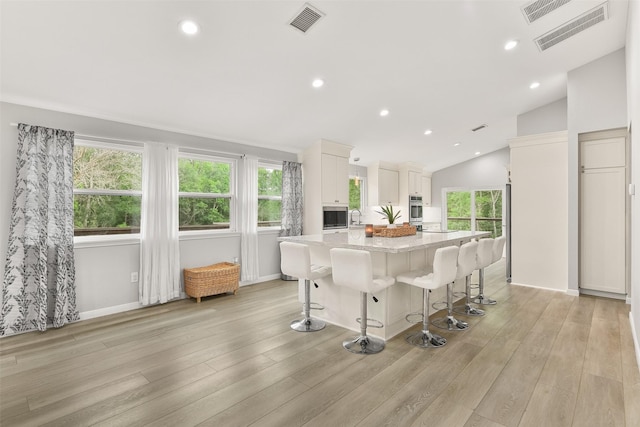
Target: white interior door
[
  {"x": 603, "y": 227},
  {"x": 603, "y": 230}
]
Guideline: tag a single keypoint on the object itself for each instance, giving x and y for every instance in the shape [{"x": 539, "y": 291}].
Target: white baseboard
[
  {"x": 573, "y": 292},
  {"x": 260, "y": 279},
  {"x": 538, "y": 287},
  {"x": 85, "y": 315},
  {"x": 634, "y": 333},
  {"x": 628, "y": 299}
]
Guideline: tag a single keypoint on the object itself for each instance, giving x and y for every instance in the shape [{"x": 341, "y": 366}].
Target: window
[
  {"x": 205, "y": 193},
  {"x": 479, "y": 210},
  {"x": 356, "y": 193},
  {"x": 269, "y": 195},
  {"x": 107, "y": 189}
]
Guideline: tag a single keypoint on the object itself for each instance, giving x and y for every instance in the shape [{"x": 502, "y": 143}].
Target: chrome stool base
[
  {"x": 307, "y": 325},
  {"x": 450, "y": 323},
  {"x": 364, "y": 344},
  {"x": 468, "y": 310},
  {"x": 481, "y": 299},
  {"x": 426, "y": 339}
]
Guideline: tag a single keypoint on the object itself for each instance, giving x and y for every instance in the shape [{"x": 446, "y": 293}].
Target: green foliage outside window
[
  {"x": 355, "y": 195},
  {"x": 269, "y": 196},
  {"x": 488, "y": 214},
  {"x": 96, "y": 173},
  {"x": 209, "y": 204}
]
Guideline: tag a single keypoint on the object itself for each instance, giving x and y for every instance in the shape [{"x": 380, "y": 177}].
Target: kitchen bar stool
[
  {"x": 352, "y": 268},
  {"x": 466, "y": 265},
  {"x": 484, "y": 259},
  {"x": 295, "y": 261},
  {"x": 444, "y": 271},
  {"x": 449, "y": 322}
]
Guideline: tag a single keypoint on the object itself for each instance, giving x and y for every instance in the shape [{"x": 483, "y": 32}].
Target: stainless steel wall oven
[{"x": 415, "y": 211}]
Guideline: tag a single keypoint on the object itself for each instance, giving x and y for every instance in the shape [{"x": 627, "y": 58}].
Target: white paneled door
[{"x": 603, "y": 224}]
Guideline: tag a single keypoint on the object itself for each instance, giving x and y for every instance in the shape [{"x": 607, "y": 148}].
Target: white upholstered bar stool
[
  {"x": 466, "y": 265},
  {"x": 498, "y": 248},
  {"x": 484, "y": 259},
  {"x": 449, "y": 322},
  {"x": 352, "y": 268},
  {"x": 445, "y": 263},
  {"x": 295, "y": 261}
]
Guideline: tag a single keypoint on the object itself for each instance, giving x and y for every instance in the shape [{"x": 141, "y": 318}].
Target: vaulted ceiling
[{"x": 246, "y": 75}]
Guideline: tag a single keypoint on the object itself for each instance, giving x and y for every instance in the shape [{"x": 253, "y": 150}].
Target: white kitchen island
[{"x": 390, "y": 256}]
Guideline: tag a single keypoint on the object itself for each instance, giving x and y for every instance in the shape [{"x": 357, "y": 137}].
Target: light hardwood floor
[{"x": 538, "y": 358}]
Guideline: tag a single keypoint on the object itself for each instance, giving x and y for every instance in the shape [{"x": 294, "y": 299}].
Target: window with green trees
[
  {"x": 355, "y": 193},
  {"x": 269, "y": 195},
  {"x": 205, "y": 193},
  {"x": 479, "y": 210},
  {"x": 107, "y": 190}
]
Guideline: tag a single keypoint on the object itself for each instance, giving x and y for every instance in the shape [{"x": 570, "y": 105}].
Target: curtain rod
[{"x": 138, "y": 142}]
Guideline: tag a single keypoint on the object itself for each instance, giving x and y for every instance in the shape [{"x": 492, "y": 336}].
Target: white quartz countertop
[{"x": 355, "y": 239}]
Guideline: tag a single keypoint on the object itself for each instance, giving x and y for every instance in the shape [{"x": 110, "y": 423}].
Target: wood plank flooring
[{"x": 538, "y": 358}]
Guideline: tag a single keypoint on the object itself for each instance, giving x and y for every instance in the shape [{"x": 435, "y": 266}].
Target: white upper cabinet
[
  {"x": 335, "y": 179},
  {"x": 426, "y": 190},
  {"x": 383, "y": 184},
  {"x": 388, "y": 187},
  {"x": 415, "y": 183}
]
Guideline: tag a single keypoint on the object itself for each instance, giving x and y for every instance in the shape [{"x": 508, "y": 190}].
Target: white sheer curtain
[
  {"x": 159, "y": 249},
  {"x": 249, "y": 221}
]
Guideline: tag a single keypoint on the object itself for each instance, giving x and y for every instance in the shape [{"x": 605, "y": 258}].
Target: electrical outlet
[{"x": 134, "y": 277}]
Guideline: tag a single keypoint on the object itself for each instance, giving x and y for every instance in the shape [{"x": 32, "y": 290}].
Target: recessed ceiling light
[
  {"x": 384, "y": 113},
  {"x": 457, "y": 144},
  {"x": 477, "y": 153},
  {"x": 534, "y": 85},
  {"x": 428, "y": 132},
  {"x": 317, "y": 83},
  {"x": 510, "y": 44},
  {"x": 189, "y": 27}
]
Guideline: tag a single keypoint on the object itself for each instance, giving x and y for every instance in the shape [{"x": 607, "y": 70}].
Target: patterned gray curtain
[
  {"x": 291, "y": 199},
  {"x": 39, "y": 274}
]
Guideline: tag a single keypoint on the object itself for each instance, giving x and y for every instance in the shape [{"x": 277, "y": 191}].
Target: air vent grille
[
  {"x": 573, "y": 27},
  {"x": 308, "y": 16},
  {"x": 539, "y": 8}
]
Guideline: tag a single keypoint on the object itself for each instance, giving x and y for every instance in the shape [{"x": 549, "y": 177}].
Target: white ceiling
[{"x": 246, "y": 77}]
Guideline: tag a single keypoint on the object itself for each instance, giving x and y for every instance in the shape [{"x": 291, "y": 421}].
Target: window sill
[{"x": 101, "y": 241}]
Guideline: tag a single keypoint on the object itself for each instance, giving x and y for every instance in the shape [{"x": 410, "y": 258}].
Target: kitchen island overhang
[{"x": 390, "y": 256}]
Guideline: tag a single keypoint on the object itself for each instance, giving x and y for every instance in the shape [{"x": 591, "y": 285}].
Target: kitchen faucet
[{"x": 359, "y": 216}]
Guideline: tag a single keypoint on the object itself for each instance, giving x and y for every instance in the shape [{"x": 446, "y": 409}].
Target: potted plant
[{"x": 388, "y": 214}]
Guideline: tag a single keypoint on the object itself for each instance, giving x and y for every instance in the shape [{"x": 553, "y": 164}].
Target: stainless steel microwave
[{"x": 334, "y": 217}]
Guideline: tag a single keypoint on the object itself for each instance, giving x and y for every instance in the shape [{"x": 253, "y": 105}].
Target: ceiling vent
[
  {"x": 573, "y": 27},
  {"x": 476, "y": 129},
  {"x": 539, "y": 8},
  {"x": 304, "y": 19}
]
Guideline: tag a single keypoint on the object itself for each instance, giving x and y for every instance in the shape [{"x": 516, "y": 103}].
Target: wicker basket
[
  {"x": 400, "y": 231},
  {"x": 211, "y": 280}
]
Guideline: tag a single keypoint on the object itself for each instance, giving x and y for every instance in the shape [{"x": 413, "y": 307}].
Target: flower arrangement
[{"x": 388, "y": 214}]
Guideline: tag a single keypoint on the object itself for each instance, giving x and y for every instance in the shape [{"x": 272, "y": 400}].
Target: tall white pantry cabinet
[
  {"x": 539, "y": 210},
  {"x": 603, "y": 212},
  {"x": 325, "y": 172}
]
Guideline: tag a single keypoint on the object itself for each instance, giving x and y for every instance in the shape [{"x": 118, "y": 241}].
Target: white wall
[
  {"x": 596, "y": 100},
  {"x": 489, "y": 170},
  {"x": 548, "y": 118},
  {"x": 103, "y": 272},
  {"x": 633, "y": 109}
]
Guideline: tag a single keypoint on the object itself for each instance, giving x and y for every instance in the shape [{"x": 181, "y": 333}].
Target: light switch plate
[{"x": 632, "y": 189}]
